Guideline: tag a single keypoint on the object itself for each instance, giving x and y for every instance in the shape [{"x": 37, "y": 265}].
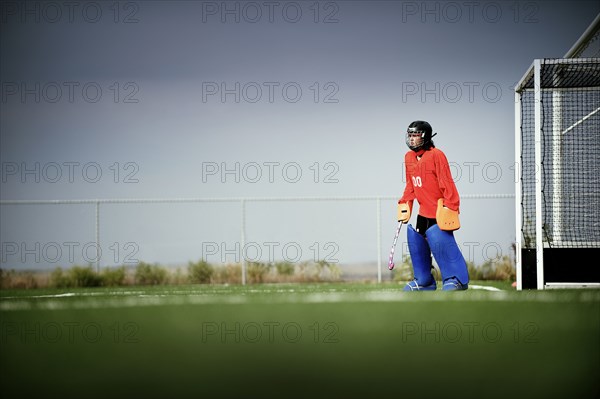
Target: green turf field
[{"x": 299, "y": 340}]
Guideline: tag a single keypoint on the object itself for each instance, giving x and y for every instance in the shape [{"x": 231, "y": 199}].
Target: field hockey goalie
[{"x": 429, "y": 181}]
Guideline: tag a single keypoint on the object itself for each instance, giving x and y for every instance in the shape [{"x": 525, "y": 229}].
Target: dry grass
[
  {"x": 201, "y": 272},
  {"x": 155, "y": 274}
]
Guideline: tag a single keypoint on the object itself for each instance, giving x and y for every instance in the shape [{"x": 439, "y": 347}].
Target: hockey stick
[{"x": 391, "y": 260}]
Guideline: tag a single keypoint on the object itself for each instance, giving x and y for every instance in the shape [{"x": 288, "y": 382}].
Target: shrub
[
  {"x": 403, "y": 270},
  {"x": 83, "y": 277},
  {"x": 306, "y": 272},
  {"x": 326, "y": 271},
  {"x": 200, "y": 272},
  {"x": 178, "y": 277},
  {"x": 475, "y": 273},
  {"x": 230, "y": 274},
  {"x": 502, "y": 269},
  {"x": 147, "y": 274},
  {"x": 113, "y": 277},
  {"x": 4, "y": 278},
  {"x": 257, "y": 271},
  {"x": 494, "y": 269},
  {"x": 284, "y": 268},
  {"x": 58, "y": 279},
  {"x": 18, "y": 280}
]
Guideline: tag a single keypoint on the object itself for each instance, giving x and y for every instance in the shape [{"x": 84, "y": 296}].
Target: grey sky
[{"x": 364, "y": 76}]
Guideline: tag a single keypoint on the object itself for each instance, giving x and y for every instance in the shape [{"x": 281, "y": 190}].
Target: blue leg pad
[
  {"x": 449, "y": 258},
  {"x": 420, "y": 255}
]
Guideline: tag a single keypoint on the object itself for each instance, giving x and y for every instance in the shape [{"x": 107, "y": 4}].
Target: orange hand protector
[
  {"x": 447, "y": 219},
  {"x": 403, "y": 212}
]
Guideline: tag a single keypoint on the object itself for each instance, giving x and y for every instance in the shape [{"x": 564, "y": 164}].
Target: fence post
[
  {"x": 243, "y": 243},
  {"x": 378, "y": 240},
  {"x": 98, "y": 236}
]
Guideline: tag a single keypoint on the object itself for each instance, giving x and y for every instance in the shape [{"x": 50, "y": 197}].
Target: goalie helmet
[{"x": 418, "y": 135}]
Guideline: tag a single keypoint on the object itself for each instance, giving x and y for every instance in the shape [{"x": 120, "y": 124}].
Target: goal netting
[{"x": 557, "y": 133}]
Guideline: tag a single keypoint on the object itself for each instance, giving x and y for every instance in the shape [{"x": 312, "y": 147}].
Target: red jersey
[{"x": 427, "y": 180}]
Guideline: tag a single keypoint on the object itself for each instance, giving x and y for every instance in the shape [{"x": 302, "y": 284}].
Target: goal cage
[
  {"x": 557, "y": 154},
  {"x": 557, "y": 150}
]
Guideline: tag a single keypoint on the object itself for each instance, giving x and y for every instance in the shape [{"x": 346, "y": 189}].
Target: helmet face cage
[
  {"x": 421, "y": 130},
  {"x": 410, "y": 138}
]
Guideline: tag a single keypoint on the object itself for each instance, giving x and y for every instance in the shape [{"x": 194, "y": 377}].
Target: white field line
[
  {"x": 140, "y": 299},
  {"x": 142, "y": 293},
  {"x": 483, "y": 287}
]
